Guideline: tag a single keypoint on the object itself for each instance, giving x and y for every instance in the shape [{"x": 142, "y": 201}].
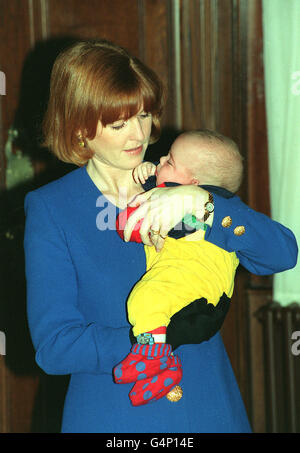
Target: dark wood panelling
[
  {"x": 224, "y": 73},
  {"x": 14, "y": 45},
  {"x": 192, "y": 101},
  {"x": 18, "y": 386},
  {"x": 257, "y": 146},
  {"x": 158, "y": 38},
  {"x": 115, "y": 20},
  {"x": 157, "y": 46},
  {"x": 4, "y": 396},
  {"x": 260, "y": 288},
  {"x": 257, "y": 407}
]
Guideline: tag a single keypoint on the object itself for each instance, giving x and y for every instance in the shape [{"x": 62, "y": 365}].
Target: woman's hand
[{"x": 162, "y": 209}]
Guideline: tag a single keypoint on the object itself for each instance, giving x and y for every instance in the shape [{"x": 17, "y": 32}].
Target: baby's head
[{"x": 202, "y": 157}]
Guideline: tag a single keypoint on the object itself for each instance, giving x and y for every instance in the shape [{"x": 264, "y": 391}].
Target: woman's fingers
[
  {"x": 160, "y": 209},
  {"x": 154, "y": 234},
  {"x": 142, "y": 197},
  {"x": 158, "y": 236},
  {"x": 150, "y": 212},
  {"x": 158, "y": 213}
]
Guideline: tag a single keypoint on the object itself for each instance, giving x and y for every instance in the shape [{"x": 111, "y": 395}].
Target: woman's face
[{"x": 122, "y": 144}]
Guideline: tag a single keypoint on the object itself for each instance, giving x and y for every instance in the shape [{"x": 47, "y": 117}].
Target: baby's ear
[{"x": 195, "y": 182}]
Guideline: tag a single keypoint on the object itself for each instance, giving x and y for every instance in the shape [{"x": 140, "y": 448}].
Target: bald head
[{"x": 212, "y": 158}]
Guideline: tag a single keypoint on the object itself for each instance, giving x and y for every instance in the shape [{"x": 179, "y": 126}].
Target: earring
[{"x": 81, "y": 141}]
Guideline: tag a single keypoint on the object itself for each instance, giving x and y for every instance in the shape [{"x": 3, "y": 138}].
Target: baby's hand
[{"x": 142, "y": 172}]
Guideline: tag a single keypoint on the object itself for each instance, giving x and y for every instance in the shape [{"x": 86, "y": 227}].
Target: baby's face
[{"x": 175, "y": 166}]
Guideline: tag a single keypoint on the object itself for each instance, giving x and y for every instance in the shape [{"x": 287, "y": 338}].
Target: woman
[{"x": 104, "y": 109}]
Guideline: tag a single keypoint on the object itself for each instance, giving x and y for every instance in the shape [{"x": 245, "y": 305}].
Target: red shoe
[{"x": 152, "y": 389}]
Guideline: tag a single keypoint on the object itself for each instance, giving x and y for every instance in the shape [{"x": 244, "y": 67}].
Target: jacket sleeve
[
  {"x": 263, "y": 245},
  {"x": 64, "y": 341}
]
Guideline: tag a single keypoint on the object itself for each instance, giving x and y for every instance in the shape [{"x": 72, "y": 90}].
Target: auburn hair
[{"x": 97, "y": 80}]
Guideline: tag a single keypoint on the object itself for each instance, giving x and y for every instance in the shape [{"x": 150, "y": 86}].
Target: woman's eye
[
  {"x": 144, "y": 115},
  {"x": 117, "y": 127}
]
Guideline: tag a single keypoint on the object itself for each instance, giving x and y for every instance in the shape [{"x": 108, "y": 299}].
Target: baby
[
  {"x": 197, "y": 157},
  {"x": 186, "y": 269}
]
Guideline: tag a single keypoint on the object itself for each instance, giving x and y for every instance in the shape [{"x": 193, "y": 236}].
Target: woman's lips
[{"x": 134, "y": 151}]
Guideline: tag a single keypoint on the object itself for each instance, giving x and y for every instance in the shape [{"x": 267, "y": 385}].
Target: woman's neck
[{"x": 116, "y": 185}]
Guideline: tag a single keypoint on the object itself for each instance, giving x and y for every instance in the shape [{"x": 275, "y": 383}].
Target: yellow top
[{"x": 183, "y": 271}]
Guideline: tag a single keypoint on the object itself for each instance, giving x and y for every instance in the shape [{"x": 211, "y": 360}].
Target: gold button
[
  {"x": 239, "y": 230},
  {"x": 226, "y": 222},
  {"x": 175, "y": 394}
]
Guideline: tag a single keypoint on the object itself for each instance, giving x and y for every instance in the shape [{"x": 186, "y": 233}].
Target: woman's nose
[{"x": 138, "y": 132}]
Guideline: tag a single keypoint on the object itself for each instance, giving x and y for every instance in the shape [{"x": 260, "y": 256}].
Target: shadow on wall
[{"x": 19, "y": 357}]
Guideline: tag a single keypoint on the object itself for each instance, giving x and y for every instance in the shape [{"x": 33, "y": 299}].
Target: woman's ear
[
  {"x": 80, "y": 138},
  {"x": 195, "y": 182}
]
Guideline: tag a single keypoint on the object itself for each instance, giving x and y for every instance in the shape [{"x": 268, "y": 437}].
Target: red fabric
[
  {"x": 122, "y": 219},
  {"x": 121, "y": 222},
  {"x": 159, "y": 330}
]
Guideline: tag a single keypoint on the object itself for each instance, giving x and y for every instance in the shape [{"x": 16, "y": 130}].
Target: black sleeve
[{"x": 197, "y": 322}]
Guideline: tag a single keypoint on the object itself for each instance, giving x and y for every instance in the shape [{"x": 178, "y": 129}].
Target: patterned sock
[
  {"x": 159, "y": 334},
  {"x": 143, "y": 361},
  {"x": 152, "y": 389}
]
